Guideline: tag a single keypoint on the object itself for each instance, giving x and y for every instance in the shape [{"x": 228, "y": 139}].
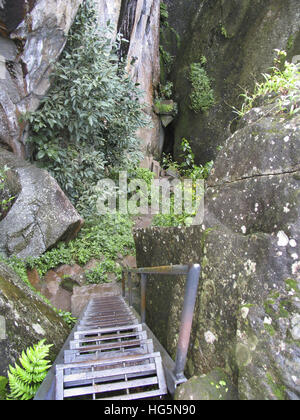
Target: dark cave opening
[{"x": 169, "y": 140}]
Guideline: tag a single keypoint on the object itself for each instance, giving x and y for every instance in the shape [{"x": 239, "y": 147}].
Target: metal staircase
[
  {"x": 110, "y": 357},
  {"x": 112, "y": 354}
]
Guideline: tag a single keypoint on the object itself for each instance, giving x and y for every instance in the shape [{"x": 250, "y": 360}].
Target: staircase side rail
[{"x": 192, "y": 272}]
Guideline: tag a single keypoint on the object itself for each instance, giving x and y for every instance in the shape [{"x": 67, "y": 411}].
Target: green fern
[{"x": 24, "y": 381}]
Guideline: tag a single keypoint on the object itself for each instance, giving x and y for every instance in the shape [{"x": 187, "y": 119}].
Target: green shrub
[
  {"x": 186, "y": 169},
  {"x": 88, "y": 121},
  {"x": 106, "y": 236},
  {"x": 99, "y": 274}
]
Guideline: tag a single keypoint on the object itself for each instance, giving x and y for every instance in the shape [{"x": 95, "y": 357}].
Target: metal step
[
  {"x": 132, "y": 376},
  {"x": 110, "y": 357}
]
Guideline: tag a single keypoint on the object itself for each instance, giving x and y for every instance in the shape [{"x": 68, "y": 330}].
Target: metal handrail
[{"x": 192, "y": 271}]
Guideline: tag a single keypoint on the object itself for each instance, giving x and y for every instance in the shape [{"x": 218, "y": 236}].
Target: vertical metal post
[
  {"x": 187, "y": 319},
  {"x": 123, "y": 284},
  {"x": 143, "y": 297},
  {"x": 129, "y": 289}
]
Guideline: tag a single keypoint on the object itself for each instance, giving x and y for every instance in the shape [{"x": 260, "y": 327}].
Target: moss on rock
[
  {"x": 27, "y": 319},
  {"x": 216, "y": 385}
]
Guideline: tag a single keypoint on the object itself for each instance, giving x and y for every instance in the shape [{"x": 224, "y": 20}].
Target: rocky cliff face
[
  {"x": 34, "y": 40},
  {"x": 238, "y": 38},
  {"x": 139, "y": 22}
]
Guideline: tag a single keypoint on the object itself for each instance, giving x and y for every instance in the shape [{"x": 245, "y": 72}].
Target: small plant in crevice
[
  {"x": 224, "y": 31},
  {"x": 6, "y": 199},
  {"x": 202, "y": 95},
  {"x": 166, "y": 58},
  {"x": 166, "y": 90},
  {"x": 163, "y": 107},
  {"x": 280, "y": 86},
  {"x": 25, "y": 380},
  {"x": 185, "y": 170}
]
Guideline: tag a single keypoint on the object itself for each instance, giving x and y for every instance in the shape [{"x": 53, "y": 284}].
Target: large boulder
[
  {"x": 25, "y": 319},
  {"x": 247, "y": 312},
  {"x": 253, "y": 196},
  {"x": 41, "y": 215}
]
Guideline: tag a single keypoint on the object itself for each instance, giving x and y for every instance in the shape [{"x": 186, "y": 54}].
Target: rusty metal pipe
[
  {"x": 187, "y": 319},
  {"x": 129, "y": 288},
  {"x": 143, "y": 297},
  {"x": 123, "y": 284},
  {"x": 167, "y": 270}
]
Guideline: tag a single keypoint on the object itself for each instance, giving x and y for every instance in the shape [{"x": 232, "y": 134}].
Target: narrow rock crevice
[{"x": 271, "y": 174}]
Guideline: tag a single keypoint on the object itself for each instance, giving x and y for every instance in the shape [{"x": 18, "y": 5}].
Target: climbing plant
[
  {"x": 87, "y": 123},
  {"x": 202, "y": 95}
]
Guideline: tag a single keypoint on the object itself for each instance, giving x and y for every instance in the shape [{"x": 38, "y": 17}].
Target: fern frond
[
  {"x": 23, "y": 374},
  {"x": 26, "y": 363},
  {"x": 20, "y": 390},
  {"x": 24, "y": 381}
]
